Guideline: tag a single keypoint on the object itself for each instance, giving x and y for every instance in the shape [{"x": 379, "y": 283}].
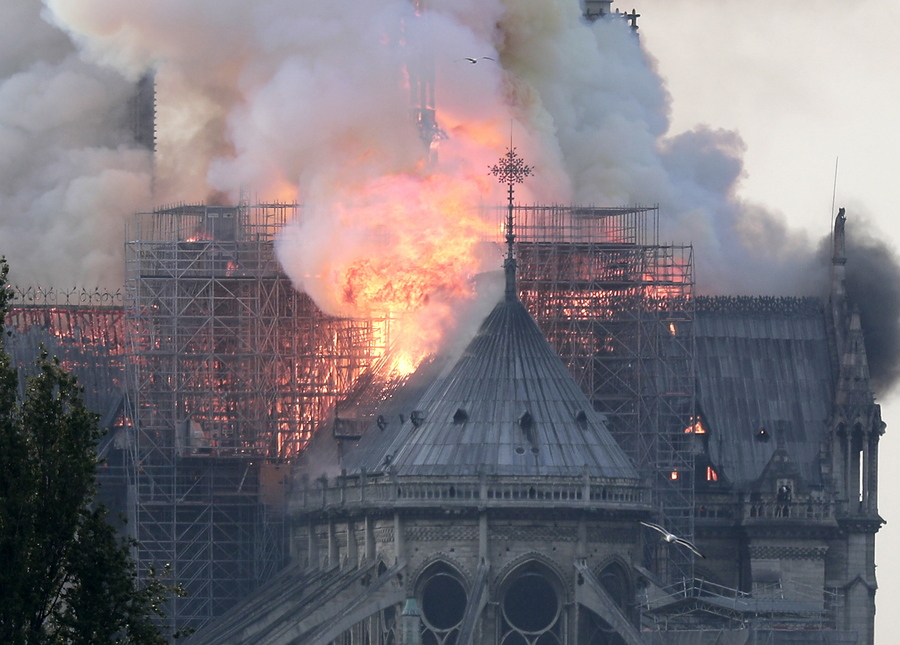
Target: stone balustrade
[{"x": 483, "y": 492}]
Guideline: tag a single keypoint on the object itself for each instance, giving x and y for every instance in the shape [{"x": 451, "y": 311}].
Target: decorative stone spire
[
  {"x": 511, "y": 170},
  {"x": 839, "y": 254},
  {"x": 853, "y": 385},
  {"x": 838, "y": 279}
]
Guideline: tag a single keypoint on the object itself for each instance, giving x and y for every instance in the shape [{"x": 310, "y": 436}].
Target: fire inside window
[
  {"x": 711, "y": 474},
  {"x": 674, "y": 475},
  {"x": 696, "y": 426}
]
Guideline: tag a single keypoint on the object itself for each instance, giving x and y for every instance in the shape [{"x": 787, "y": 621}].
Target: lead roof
[
  {"x": 507, "y": 406},
  {"x": 764, "y": 369}
]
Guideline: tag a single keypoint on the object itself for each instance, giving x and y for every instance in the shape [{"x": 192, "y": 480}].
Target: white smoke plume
[
  {"x": 303, "y": 99},
  {"x": 69, "y": 172}
]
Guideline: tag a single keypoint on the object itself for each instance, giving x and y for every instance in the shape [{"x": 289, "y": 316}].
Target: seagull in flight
[
  {"x": 475, "y": 60},
  {"x": 672, "y": 538}
]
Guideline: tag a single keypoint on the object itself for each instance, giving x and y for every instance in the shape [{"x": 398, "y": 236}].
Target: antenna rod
[{"x": 833, "y": 194}]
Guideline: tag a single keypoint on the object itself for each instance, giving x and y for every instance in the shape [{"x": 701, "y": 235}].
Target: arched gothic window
[
  {"x": 442, "y": 600},
  {"x": 531, "y": 608}
]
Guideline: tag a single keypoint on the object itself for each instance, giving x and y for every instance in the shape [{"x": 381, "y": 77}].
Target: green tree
[{"x": 66, "y": 577}]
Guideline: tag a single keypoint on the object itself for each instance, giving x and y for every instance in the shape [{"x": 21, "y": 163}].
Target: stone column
[
  {"x": 352, "y": 547},
  {"x": 483, "y": 537},
  {"x": 873, "y": 472},
  {"x": 332, "y": 545},
  {"x": 312, "y": 547},
  {"x": 370, "y": 538},
  {"x": 399, "y": 549}
]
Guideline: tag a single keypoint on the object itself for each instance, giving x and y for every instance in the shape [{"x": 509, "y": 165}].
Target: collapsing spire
[
  {"x": 511, "y": 170},
  {"x": 420, "y": 72}
]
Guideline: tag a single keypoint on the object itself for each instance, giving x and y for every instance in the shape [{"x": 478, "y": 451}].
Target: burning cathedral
[
  {"x": 607, "y": 457},
  {"x": 610, "y": 459}
]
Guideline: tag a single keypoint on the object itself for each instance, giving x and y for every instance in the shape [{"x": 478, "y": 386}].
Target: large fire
[{"x": 405, "y": 247}]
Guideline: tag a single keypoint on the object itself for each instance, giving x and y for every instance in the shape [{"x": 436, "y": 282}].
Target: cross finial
[
  {"x": 511, "y": 170},
  {"x": 632, "y": 19}
]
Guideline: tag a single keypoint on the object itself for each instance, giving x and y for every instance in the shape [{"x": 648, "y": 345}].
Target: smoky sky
[
  {"x": 293, "y": 99},
  {"x": 296, "y": 99}
]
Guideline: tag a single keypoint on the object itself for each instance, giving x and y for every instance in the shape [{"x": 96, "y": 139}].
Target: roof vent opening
[
  {"x": 520, "y": 450},
  {"x": 762, "y": 435},
  {"x": 417, "y": 417},
  {"x": 526, "y": 422},
  {"x": 581, "y": 419},
  {"x": 461, "y": 416}
]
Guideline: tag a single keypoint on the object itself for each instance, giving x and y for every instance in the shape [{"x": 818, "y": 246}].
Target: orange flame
[
  {"x": 407, "y": 247},
  {"x": 696, "y": 426},
  {"x": 428, "y": 229}
]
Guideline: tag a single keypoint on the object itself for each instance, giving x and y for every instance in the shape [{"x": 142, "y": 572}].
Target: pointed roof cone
[{"x": 508, "y": 406}]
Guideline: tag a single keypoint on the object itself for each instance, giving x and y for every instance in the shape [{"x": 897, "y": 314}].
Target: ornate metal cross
[{"x": 511, "y": 170}]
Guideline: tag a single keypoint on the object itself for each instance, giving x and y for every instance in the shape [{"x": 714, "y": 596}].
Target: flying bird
[
  {"x": 672, "y": 538},
  {"x": 475, "y": 60}
]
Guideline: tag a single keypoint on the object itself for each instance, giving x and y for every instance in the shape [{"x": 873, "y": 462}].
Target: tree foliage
[{"x": 66, "y": 577}]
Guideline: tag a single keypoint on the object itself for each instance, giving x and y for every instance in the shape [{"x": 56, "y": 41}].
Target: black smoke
[{"x": 873, "y": 285}]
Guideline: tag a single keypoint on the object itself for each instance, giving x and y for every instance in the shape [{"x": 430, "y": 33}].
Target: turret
[
  {"x": 594, "y": 9},
  {"x": 856, "y": 428}
]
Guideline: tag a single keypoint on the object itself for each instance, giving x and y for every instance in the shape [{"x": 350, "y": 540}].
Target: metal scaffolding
[
  {"x": 84, "y": 330},
  {"x": 618, "y": 308},
  {"x": 229, "y": 371}
]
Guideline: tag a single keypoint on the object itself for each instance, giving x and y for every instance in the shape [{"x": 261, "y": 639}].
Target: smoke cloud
[
  {"x": 310, "y": 100},
  {"x": 69, "y": 173}
]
